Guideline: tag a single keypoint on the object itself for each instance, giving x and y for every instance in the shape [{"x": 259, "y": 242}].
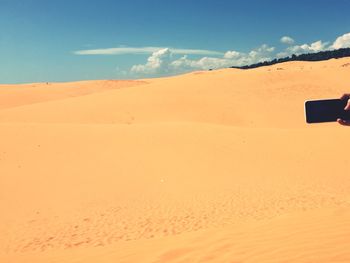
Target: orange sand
[{"x": 212, "y": 166}]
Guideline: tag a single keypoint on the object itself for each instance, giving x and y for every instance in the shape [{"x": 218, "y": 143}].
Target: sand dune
[
  {"x": 220, "y": 97},
  {"x": 212, "y": 166},
  {"x": 17, "y": 95}
]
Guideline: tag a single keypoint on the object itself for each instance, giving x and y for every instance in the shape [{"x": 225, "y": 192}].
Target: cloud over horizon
[
  {"x": 287, "y": 40},
  {"x": 167, "y": 60},
  {"x": 144, "y": 50},
  {"x": 304, "y": 48},
  {"x": 164, "y": 61},
  {"x": 342, "y": 41}
]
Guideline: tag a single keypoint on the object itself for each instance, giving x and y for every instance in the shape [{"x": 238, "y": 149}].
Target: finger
[
  {"x": 347, "y": 107},
  {"x": 345, "y": 96},
  {"x": 343, "y": 122},
  {"x": 340, "y": 121}
]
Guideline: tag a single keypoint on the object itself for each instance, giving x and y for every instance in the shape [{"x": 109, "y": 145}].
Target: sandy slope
[
  {"x": 17, "y": 95},
  {"x": 205, "y": 167}
]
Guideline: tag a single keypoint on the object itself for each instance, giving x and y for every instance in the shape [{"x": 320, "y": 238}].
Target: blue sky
[{"x": 43, "y": 40}]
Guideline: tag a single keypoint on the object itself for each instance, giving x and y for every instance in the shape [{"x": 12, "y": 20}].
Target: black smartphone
[{"x": 328, "y": 110}]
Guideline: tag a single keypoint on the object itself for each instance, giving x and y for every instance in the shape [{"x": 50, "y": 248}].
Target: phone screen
[{"x": 326, "y": 110}]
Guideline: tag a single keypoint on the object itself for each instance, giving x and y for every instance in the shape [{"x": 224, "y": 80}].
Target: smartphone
[{"x": 328, "y": 110}]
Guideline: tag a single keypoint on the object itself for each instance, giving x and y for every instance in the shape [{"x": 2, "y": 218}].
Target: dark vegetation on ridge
[{"x": 323, "y": 55}]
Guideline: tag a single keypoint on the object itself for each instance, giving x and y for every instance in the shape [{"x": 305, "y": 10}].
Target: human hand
[{"x": 347, "y": 107}]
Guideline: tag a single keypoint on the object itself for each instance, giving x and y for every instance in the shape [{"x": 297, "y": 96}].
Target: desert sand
[{"x": 214, "y": 166}]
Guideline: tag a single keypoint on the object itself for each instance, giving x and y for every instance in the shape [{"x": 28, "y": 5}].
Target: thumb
[{"x": 347, "y": 107}]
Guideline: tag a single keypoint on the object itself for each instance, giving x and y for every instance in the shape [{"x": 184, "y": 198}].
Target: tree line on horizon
[{"x": 323, "y": 55}]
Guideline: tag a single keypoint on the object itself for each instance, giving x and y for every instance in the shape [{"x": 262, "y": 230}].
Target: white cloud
[
  {"x": 260, "y": 54},
  {"x": 287, "y": 40},
  {"x": 283, "y": 54},
  {"x": 204, "y": 63},
  {"x": 165, "y": 61},
  {"x": 305, "y": 48},
  {"x": 158, "y": 62},
  {"x": 232, "y": 54},
  {"x": 116, "y": 51},
  {"x": 144, "y": 50},
  {"x": 342, "y": 41},
  {"x": 315, "y": 46}
]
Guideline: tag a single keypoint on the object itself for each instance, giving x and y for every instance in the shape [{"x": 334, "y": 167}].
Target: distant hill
[{"x": 323, "y": 55}]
